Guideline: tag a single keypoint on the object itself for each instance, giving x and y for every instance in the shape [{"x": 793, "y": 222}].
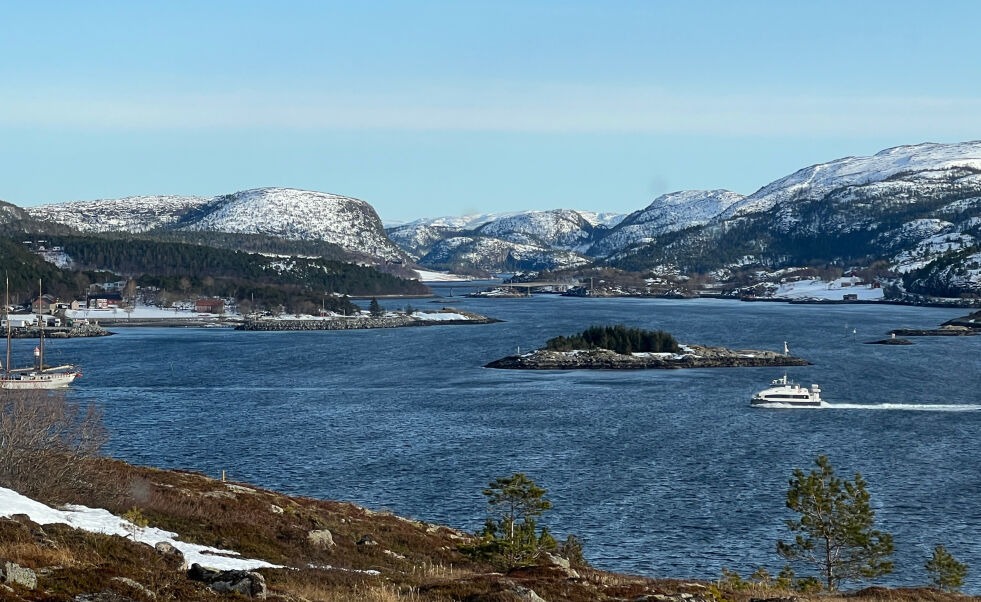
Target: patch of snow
[
  {"x": 819, "y": 289},
  {"x": 98, "y": 520},
  {"x": 428, "y": 276},
  {"x": 438, "y": 316}
]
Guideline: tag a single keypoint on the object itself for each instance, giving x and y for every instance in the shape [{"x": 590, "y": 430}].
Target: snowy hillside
[
  {"x": 287, "y": 213},
  {"x": 914, "y": 209},
  {"x": 559, "y": 228},
  {"x": 494, "y": 254},
  {"x": 921, "y": 162},
  {"x": 130, "y": 214},
  {"x": 297, "y": 215},
  {"x": 667, "y": 213}
]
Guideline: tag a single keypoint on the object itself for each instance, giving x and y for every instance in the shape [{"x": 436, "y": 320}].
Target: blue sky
[{"x": 436, "y": 108}]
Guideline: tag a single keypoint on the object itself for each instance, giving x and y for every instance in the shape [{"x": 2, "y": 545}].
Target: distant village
[{"x": 111, "y": 303}]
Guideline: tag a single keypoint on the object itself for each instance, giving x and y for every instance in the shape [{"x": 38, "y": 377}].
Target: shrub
[{"x": 46, "y": 442}]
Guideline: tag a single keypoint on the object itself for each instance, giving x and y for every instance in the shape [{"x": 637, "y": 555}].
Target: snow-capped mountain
[
  {"x": 912, "y": 164},
  {"x": 907, "y": 206},
  {"x": 130, "y": 214},
  {"x": 667, "y": 213},
  {"x": 287, "y": 213},
  {"x": 495, "y": 255},
  {"x": 294, "y": 214},
  {"x": 559, "y": 230}
]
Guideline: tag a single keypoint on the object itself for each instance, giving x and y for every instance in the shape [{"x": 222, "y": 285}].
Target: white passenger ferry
[{"x": 783, "y": 393}]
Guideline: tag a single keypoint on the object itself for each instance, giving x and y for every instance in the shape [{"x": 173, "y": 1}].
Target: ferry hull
[{"x": 769, "y": 403}]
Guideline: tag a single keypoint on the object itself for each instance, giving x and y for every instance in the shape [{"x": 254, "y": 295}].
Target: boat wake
[{"x": 916, "y": 407}]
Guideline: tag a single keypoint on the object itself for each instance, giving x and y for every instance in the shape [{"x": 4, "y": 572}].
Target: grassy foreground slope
[{"x": 414, "y": 560}]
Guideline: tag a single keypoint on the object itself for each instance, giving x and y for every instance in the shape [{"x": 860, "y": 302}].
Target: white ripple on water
[{"x": 920, "y": 407}]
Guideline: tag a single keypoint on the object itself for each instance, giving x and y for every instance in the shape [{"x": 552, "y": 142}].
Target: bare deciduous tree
[{"x": 46, "y": 443}]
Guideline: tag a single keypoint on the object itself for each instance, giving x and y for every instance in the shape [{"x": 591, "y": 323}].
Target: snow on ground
[
  {"x": 97, "y": 520},
  {"x": 819, "y": 289},
  {"x": 139, "y": 312},
  {"x": 427, "y": 276},
  {"x": 438, "y": 317}
]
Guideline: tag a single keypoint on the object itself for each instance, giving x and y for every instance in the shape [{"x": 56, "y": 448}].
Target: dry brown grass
[
  {"x": 33, "y": 555},
  {"x": 417, "y": 561}
]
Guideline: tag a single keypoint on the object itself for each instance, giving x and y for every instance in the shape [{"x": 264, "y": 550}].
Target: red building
[{"x": 209, "y": 306}]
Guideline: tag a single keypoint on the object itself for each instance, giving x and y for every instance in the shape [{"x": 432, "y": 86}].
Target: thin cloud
[{"x": 543, "y": 109}]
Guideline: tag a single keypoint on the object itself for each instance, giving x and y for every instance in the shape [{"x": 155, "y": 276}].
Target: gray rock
[
  {"x": 245, "y": 583},
  {"x": 367, "y": 540},
  {"x": 526, "y": 594},
  {"x": 168, "y": 549},
  {"x": 11, "y": 572},
  {"x": 562, "y": 564},
  {"x": 135, "y": 585},
  {"x": 321, "y": 538},
  {"x": 104, "y": 596}
]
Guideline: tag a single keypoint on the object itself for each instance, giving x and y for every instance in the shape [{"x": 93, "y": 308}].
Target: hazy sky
[{"x": 436, "y": 108}]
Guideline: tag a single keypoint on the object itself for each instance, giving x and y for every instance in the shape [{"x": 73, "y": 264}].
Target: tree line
[{"x": 617, "y": 338}]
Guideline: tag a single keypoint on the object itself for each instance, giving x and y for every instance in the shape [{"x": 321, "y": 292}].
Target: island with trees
[{"x": 621, "y": 348}]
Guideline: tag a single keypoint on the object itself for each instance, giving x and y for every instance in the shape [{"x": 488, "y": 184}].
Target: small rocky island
[
  {"x": 621, "y": 348},
  {"x": 443, "y": 317},
  {"x": 890, "y": 341}
]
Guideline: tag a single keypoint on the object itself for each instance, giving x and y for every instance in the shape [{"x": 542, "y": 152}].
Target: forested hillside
[{"x": 134, "y": 258}]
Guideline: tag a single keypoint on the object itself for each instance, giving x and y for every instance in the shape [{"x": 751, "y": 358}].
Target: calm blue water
[{"x": 665, "y": 473}]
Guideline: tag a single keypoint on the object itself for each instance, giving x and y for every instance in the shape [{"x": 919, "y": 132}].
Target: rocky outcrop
[
  {"x": 972, "y": 321},
  {"x": 246, "y": 583},
  {"x": 943, "y": 331},
  {"x": 693, "y": 356},
  {"x": 321, "y": 538},
  {"x": 11, "y": 572},
  {"x": 359, "y": 323}
]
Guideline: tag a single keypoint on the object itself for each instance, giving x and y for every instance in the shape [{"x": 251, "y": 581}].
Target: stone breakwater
[
  {"x": 81, "y": 330},
  {"x": 399, "y": 321},
  {"x": 695, "y": 356}
]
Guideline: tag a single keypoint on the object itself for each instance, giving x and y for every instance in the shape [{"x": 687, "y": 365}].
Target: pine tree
[
  {"x": 834, "y": 531},
  {"x": 375, "y": 309},
  {"x": 513, "y": 503},
  {"x": 945, "y": 571}
]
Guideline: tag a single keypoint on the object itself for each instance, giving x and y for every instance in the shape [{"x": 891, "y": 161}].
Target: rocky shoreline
[
  {"x": 360, "y": 323},
  {"x": 79, "y": 331},
  {"x": 693, "y": 356}
]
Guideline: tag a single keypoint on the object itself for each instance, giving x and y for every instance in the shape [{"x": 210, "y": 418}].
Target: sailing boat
[{"x": 39, "y": 376}]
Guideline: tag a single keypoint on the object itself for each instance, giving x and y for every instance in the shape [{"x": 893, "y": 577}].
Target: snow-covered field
[
  {"x": 141, "y": 312},
  {"x": 427, "y": 276},
  {"x": 97, "y": 520},
  {"x": 819, "y": 289},
  {"x": 438, "y": 316}
]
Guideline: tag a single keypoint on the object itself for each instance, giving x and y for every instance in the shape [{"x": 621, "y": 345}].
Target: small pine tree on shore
[
  {"x": 834, "y": 531},
  {"x": 375, "y": 309},
  {"x": 945, "y": 571}
]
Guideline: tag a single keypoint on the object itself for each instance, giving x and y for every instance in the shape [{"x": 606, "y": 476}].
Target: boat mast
[
  {"x": 6, "y": 313},
  {"x": 40, "y": 328}
]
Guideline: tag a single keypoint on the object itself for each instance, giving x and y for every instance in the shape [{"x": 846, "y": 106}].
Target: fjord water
[{"x": 664, "y": 473}]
